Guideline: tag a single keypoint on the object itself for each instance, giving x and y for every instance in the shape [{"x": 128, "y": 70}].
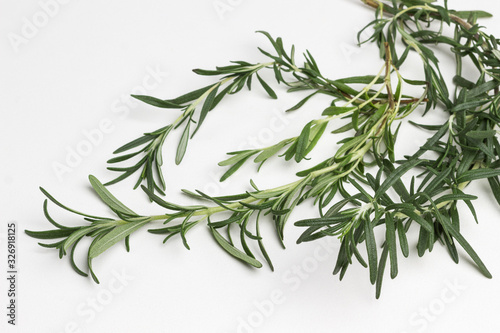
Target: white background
[{"x": 75, "y": 70}]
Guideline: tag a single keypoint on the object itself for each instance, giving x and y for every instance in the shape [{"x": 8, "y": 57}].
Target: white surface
[{"x": 77, "y": 71}]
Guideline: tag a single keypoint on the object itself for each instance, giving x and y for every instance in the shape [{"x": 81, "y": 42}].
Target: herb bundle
[{"x": 361, "y": 186}]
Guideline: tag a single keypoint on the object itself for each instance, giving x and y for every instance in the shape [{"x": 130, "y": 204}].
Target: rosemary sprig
[
  {"x": 235, "y": 77},
  {"x": 366, "y": 172}
]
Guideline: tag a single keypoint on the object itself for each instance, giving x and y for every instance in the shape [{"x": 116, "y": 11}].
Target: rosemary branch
[{"x": 361, "y": 186}]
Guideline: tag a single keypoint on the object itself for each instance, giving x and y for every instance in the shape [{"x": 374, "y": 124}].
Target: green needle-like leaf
[
  {"x": 234, "y": 251},
  {"x": 267, "y": 88},
  {"x": 116, "y": 235},
  {"x": 181, "y": 148},
  {"x": 371, "y": 249},
  {"x": 108, "y": 198},
  {"x": 461, "y": 240},
  {"x": 394, "y": 177}
]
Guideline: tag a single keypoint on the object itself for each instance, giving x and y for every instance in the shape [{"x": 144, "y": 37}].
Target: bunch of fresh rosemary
[{"x": 360, "y": 187}]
